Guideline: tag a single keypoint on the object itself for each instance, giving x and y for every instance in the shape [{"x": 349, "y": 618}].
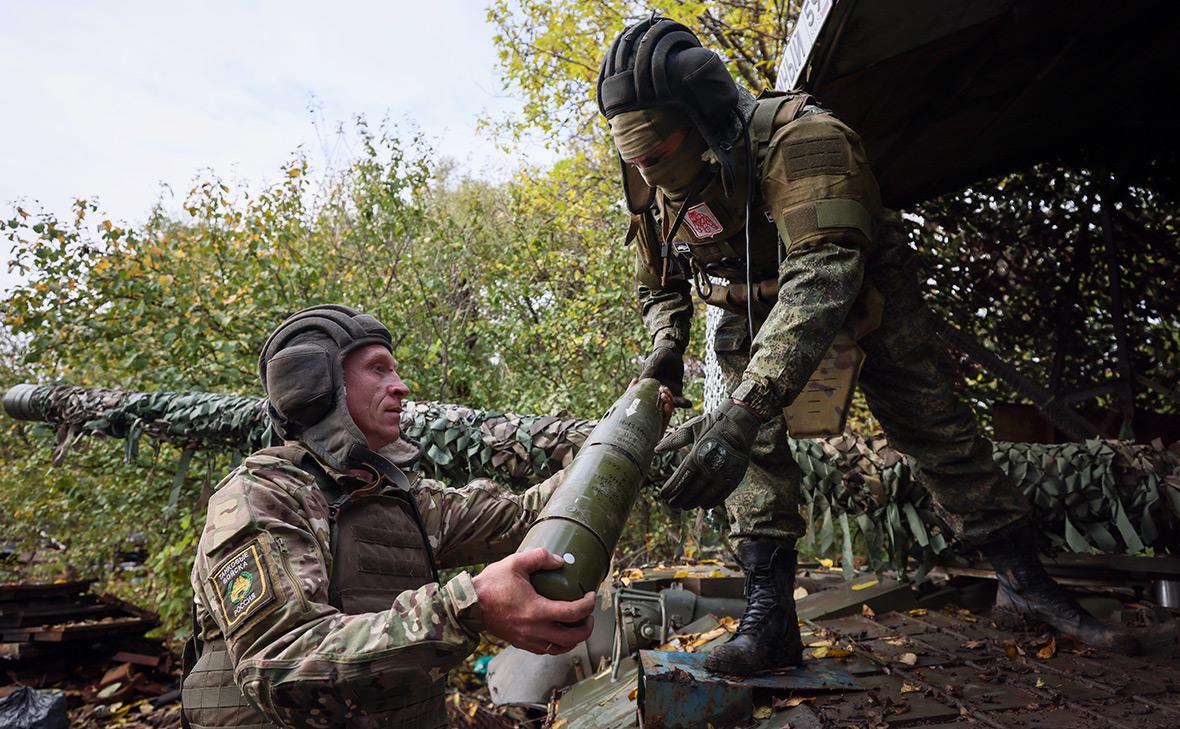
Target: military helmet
[
  {"x": 302, "y": 372},
  {"x": 659, "y": 62}
]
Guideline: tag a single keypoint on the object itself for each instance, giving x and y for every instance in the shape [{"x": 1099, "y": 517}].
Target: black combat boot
[
  {"x": 1027, "y": 597},
  {"x": 768, "y": 635}
]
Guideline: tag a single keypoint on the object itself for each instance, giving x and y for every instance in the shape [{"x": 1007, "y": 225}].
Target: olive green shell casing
[{"x": 583, "y": 520}]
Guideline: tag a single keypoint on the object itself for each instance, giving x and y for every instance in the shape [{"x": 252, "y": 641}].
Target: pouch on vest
[{"x": 821, "y": 409}]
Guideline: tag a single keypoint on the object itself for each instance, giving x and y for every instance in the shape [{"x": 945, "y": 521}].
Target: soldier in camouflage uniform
[
  {"x": 317, "y": 598},
  {"x": 776, "y": 195}
]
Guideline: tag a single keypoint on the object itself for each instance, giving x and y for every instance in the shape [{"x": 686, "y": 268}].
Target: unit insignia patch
[{"x": 243, "y": 585}]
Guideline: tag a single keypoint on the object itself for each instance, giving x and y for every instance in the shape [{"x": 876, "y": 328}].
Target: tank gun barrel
[{"x": 459, "y": 443}]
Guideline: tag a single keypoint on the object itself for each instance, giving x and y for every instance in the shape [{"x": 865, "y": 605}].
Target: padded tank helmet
[
  {"x": 302, "y": 372},
  {"x": 659, "y": 62}
]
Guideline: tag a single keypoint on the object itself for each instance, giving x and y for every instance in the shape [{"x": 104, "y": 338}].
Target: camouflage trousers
[{"x": 908, "y": 381}]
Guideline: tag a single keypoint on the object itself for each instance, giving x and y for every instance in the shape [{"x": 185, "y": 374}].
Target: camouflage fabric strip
[{"x": 1103, "y": 495}]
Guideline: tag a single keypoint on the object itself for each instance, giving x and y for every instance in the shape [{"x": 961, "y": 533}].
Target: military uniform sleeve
[
  {"x": 666, "y": 307},
  {"x": 481, "y": 522},
  {"x": 825, "y": 200},
  {"x": 262, "y": 573}
]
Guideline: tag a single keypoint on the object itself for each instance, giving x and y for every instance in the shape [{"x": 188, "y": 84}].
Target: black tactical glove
[
  {"x": 721, "y": 444},
  {"x": 667, "y": 365}
]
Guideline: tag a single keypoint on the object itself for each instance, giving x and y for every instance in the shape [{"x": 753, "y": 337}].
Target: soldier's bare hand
[
  {"x": 513, "y": 610},
  {"x": 667, "y": 403}
]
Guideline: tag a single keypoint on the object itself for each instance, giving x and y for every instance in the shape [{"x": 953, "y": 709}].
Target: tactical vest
[
  {"x": 712, "y": 236},
  {"x": 379, "y": 550},
  {"x": 712, "y": 242}
]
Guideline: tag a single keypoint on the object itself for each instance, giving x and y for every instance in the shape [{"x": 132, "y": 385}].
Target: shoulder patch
[
  {"x": 243, "y": 585},
  {"x": 228, "y": 513},
  {"x": 827, "y": 155}
]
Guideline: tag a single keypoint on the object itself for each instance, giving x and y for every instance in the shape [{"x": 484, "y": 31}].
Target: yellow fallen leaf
[
  {"x": 1049, "y": 650},
  {"x": 908, "y": 658},
  {"x": 800, "y": 592},
  {"x": 826, "y": 652},
  {"x": 916, "y": 612},
  {"x": 820, "y": 643},
  {"x": 867, "y": 612},
  {"x": 705, "y": 637},
  {"x": 1040, "y": 682},
  {"x": 826, "y": 563},
  {"x": 909, "y": 688},
  {"x": 680, "y": 574},
  {"x": 633, "y": 694},
  {"x": 897, "y": 641},
  {"x": 866, "y": 585},
  {"x": 791, "y": 702},
  {"x": 762, "y": 712},
  {"x": 630, "y": 576}
]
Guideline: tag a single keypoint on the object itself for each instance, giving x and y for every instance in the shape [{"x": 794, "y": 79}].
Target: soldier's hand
[
  {"x": 513, "y": 610},
  {"x": 721, "y": 444},
  {"x": 667, "y": 404},
  {"x": 667, "y": 366}
]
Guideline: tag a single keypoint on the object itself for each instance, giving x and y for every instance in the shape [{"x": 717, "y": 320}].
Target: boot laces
[{"x": 761, "y": 598}]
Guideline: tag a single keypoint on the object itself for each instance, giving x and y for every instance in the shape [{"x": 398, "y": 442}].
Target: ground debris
[{"x": 59, "y": 635}]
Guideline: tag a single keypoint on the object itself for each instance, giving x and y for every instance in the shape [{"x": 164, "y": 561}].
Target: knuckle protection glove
[
  {"x": 667, "y": 366},
  {"x": 720, "y": 453}
]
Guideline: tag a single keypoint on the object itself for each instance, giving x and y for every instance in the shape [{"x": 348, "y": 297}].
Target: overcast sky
[{"x": 110, "y": 100}]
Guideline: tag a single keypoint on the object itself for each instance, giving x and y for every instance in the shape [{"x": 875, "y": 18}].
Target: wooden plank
[
  {"x": 19, "y": 590},
  {"x": 137, "y": 659},
  {"x": 20, "y": 651},
  {"x": 55, "y": 614},
  {"x": 879, "y": 594},
  {"x": 129, "y": 608},
  {"x": 87, "y": 631},
  {"x": 120, "y": 672}
]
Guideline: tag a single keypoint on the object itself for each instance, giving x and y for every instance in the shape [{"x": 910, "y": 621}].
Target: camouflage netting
[{"x": 1098, "y": 495}]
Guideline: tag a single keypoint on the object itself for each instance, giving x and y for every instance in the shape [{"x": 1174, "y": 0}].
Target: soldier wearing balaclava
[{"x": 774, "y": 198}]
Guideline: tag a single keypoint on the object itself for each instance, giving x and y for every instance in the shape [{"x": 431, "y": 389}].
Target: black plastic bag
[{"x": 28, "y": 708}]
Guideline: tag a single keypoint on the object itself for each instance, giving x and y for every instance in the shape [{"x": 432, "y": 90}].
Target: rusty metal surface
[
  {"x": 686, "y": 667},
  {"x": 672, "y": 695},
  {"x": 675, "y": 690},
  {"x": 953, "y": 668},
  {"x": 915, "y": 667}
]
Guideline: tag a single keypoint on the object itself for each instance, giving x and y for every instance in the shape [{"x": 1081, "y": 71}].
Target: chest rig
[
  {"x": 711, "y": 241},
  {"x": 379, "y": 548}
]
